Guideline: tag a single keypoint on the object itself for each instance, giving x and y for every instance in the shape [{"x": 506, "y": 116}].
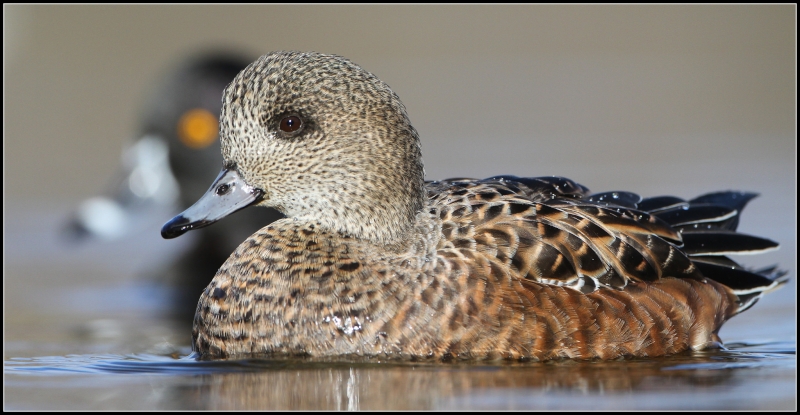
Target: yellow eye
[{"x": 198, "y": 128}]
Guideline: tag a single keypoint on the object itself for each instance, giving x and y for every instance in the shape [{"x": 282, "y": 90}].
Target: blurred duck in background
[{"x": 167, "y": 168}]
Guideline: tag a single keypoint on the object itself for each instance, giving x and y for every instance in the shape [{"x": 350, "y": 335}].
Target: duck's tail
[{"x": 708, "y": 228}]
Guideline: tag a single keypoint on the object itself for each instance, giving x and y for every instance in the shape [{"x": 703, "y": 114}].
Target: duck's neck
[
  {"x": 371, "y": 211},
  {"x": 378, "y": 204}
]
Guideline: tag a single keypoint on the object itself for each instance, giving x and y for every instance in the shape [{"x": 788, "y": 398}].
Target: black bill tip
[{"x": 179, "y": 225}]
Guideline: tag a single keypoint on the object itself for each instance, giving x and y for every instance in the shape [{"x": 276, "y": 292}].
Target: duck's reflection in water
[{"x": 332, "y": 386}]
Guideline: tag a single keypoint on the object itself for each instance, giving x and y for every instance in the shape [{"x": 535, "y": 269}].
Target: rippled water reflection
[{"x": 689, "y": 381}]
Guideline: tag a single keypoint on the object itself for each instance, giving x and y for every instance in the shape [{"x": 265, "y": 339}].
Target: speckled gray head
[{"x": 321, "y": 140}]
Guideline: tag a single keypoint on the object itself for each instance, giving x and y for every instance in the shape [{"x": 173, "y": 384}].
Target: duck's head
[{"x": 319, "y": 139}]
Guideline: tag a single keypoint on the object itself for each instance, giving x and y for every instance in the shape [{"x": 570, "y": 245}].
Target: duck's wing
[{"x": 552, "y": 230}]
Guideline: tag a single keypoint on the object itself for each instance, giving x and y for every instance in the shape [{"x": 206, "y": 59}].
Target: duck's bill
[{"x": 228, "y": 194}]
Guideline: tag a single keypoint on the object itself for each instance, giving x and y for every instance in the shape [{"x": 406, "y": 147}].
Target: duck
[
  {"x": 167, "y": 166},
  {"x": 371, "y": 260}
]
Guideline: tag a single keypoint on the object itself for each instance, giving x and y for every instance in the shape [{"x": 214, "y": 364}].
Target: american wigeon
[{"x": 371, "y": 260}]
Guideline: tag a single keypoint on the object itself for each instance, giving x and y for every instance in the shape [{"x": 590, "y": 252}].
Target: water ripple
[{"x": 737, "y": 356}]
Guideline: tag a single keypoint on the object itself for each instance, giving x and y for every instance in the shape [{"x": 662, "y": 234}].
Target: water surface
[{"x": 748, "y": 376}]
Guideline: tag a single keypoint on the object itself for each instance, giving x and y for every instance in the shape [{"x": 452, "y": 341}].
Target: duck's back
[
  {"x": 503, "y": 267},
  {"x": 599, "y": 275}
]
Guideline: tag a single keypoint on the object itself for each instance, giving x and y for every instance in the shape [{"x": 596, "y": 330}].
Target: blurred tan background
[
  {"x": 653, "y": 99},
  {"x": 532, "y": 90}
]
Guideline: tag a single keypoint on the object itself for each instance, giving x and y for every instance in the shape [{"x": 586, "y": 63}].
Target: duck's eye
[{"x": 291, "y": 124}]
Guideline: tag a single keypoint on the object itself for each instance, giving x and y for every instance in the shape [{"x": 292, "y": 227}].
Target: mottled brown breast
[{"x": 285, "y": 289}]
